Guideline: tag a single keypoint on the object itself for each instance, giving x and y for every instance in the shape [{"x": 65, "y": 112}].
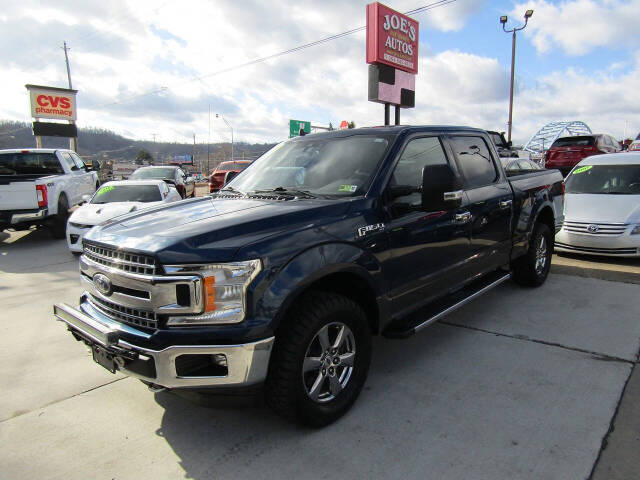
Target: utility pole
[
  {"x": 73, "y": 141},
  {"x": 209, "y": 140},
  {"x": 155, "y": 150},
  {"x": 503, "y": 21}
]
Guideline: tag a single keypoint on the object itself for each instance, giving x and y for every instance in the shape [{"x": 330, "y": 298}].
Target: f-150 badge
[{"x": 362, "y": 231}]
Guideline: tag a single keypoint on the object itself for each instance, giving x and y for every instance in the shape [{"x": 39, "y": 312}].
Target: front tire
[
  {"x": 320, "y": 360},
  {"x": 532, "y": 269}
]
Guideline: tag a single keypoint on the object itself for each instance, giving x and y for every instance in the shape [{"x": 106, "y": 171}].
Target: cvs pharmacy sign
[{"x": 51, "y": 102}]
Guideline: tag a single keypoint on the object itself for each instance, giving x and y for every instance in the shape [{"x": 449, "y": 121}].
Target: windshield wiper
[{"x": 287, "y": 191}]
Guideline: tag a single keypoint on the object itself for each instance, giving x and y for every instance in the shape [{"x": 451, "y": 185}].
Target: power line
[{"x": 330, "y": 38}]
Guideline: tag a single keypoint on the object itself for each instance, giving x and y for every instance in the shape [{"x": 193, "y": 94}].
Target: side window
[
  {"x": 77, "y": 160},
  {"x": 417, "y": 154},
  {"x": 66, "y": 158},
  {"x": 615, "y": 143},
  {"x": 475, "y": 161}
]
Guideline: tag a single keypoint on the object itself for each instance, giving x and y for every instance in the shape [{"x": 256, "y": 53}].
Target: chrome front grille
[
  {"x": 602, "y": 229},
  {"x": 120, "y": 259},
  {"x": 133, "y": 316}
]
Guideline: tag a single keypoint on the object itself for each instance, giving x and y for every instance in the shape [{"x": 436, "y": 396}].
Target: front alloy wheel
[
  {"x": 328, "y": 363},
  {"x": 320, "y": 359}
]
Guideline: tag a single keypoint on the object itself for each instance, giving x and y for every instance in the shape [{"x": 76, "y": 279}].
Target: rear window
[
  {"x": 231, "y": 166},
  {"x": 582, "y": 141},
  {"x": 153, "y": 173},
  {"x": 29, "y": 164},
  {"x": 127, "y": 193}
]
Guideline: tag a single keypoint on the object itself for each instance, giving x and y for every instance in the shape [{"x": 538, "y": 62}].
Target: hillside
[{"x": 107, "y": 145}]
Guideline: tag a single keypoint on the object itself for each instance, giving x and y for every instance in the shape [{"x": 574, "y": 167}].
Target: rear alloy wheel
[
  {"x": 59, "y": 227},
  {"x": 533, "y": 268},
  {"x": 320, "y": 359}
]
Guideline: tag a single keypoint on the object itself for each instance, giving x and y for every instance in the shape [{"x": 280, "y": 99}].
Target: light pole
[
  {"x": 503, "y": 21},
  {"x": 230, "y": 128}
]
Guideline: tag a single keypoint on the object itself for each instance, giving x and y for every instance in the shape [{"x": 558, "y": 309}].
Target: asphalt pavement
[{"x": 518, "y": 384}]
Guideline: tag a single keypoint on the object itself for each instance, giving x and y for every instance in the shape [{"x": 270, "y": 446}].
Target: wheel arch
[{"x": 337, "y": 268}]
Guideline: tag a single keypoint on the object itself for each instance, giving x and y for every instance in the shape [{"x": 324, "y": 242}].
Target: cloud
[
  {"x": 580, "y": 26},
  {"x": 146, "y": 67}
]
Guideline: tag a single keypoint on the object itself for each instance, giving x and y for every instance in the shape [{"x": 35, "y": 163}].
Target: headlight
[
  {"x": 636, "y": 230},
  {"x": 224, "y": 292}
]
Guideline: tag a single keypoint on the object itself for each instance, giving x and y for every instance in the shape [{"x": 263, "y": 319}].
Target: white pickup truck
[{"x": 39, "y": 185}]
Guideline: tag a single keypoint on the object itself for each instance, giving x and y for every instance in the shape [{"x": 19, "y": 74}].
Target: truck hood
[
  {"x": 95, "y": 213},
  {"x": 603, "y": 208},
  {"x": 210, "y": 229}
]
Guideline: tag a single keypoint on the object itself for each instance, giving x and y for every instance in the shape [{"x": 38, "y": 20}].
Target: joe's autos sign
[
  {"x": 392, "y": 38},
  {"x": 52, "y": 102}
]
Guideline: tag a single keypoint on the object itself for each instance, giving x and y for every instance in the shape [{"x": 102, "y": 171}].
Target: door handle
[
  {"x": 504, "y": 204},
  {"x": 463, "y": 217}
]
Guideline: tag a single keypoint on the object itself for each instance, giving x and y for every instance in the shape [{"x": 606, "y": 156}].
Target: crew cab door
[
  {"x": 429, "y": 247},
  {"x": 86, "y": 187},
  {"x": 73, "y": 180},
  {"x": 490, "y": 201}
]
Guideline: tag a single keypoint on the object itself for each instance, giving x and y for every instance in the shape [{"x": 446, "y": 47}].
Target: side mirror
[
  {"x": 441, "y": 188},
  {"x": 229, "y": 176},
  {"x": 86, "y": 198},
  {"x": 509, "y": 144}
]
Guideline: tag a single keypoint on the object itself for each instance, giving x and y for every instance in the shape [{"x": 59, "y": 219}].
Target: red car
[
  {"x": 566, "y": 152},
  {"x": 216, "y": 180}
]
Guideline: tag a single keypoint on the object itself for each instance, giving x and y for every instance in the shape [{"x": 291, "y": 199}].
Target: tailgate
[
  {"x": 566, "y": 156},
  {"x": 18, "y": 195}
]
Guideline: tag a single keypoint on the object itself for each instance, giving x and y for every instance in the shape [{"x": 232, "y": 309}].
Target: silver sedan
[{"x": 602, "y": 207}]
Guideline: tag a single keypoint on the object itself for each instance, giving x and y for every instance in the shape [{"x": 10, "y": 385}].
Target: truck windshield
[
  {"x": 602, "y": 179},
  {"x": 29, "y": 164},
  {"x": 334, "y": 166},
  {"x": 127, "y": 193}
]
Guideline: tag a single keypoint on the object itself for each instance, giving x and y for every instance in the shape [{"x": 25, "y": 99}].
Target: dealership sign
[
  {"x": 52, "y": 102},
  {"x": 392, "y": 38}
]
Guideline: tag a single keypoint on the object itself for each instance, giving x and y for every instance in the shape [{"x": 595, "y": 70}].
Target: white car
[
  {"x": 113, "y": 199},
  {"x": 602, "y": 207}
]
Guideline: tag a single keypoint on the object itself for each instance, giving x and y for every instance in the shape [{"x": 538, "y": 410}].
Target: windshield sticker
[
  {"x": 582, "y": 169},
  {"x": 104, "y": 190},
  {"x": 348, "y": 188}
]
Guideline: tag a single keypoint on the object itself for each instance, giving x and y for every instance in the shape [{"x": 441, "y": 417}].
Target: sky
[{"x": 168, "y": 67}]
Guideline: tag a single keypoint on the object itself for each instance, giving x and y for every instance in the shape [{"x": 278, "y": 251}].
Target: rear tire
[
  {"x": 320, "y": 359},
  {"x": 59, "y": 227},
  {"x": 532, "y": 269}
]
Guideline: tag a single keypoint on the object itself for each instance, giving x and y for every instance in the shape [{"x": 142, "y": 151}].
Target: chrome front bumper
[{"x": 246, "y": 363}]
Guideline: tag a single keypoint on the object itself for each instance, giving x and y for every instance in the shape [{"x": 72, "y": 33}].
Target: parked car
[
  {"x": 283, "y": 276},
  {"x": 113, "y": 199},
  {"x": 519, "y": 165},
  {"x": 635, "y": 145},
  {"x": 567, "y": 152},
  {"x": 39, "y": 185},
  {"x": 217, "y": 178},
  {"x": 175, "y": 176},
  {"x": 602, "y": 207}
]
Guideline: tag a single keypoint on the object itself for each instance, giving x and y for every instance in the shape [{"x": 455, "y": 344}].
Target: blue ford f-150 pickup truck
[{"x": 280, "y": 279}]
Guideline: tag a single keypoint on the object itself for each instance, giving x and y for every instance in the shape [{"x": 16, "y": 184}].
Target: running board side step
[{"x": 440, "y": 308}]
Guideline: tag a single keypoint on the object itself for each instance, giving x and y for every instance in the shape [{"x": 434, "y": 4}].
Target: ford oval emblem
[
  {"x": 593, "y": 228},
  {"x": 103, "y": 284}
]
